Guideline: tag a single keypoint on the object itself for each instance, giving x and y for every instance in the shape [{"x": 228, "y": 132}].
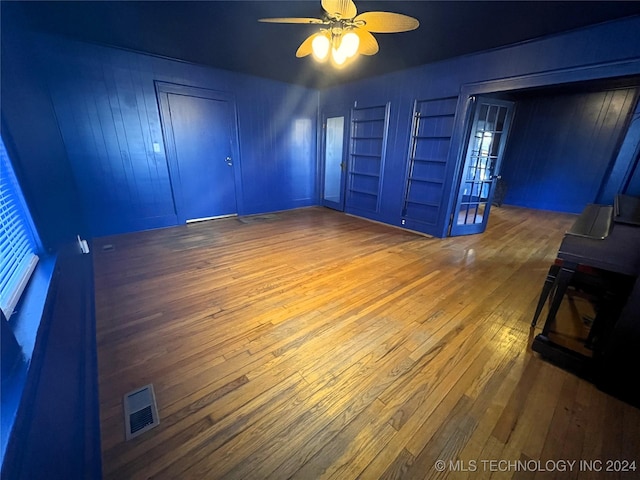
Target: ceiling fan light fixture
[
  {"x": 320, "y": 47},
  {"x": 345, "y": 34}
]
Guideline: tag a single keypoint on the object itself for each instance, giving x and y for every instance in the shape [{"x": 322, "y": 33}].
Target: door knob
[
  {"x": 496, "y": 177},
  {"x": 229, "y": 161}
]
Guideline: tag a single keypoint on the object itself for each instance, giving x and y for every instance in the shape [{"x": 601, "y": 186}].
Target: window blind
[{"x": 18, "y": 256}]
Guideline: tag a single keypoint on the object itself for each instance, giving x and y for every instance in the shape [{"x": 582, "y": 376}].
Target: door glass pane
[
  {"x": 471, "y": 213},
  {"x": 333, "y": 158}
]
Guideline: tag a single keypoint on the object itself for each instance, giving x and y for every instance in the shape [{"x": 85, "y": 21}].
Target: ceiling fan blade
[
  {"x": 315, "y": 21},
  {"x": 368, "y": 43},
  {"x": 387, "y": 22},
  {"x": 340, "y": 8},
  {"x": 305, "y": 47}
]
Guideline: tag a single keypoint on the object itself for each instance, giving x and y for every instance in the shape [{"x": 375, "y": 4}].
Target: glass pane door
[{"x": 485, "y": 147}]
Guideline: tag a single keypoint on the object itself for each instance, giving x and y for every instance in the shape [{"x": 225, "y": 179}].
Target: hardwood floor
[{"x": 311, "y": 344}]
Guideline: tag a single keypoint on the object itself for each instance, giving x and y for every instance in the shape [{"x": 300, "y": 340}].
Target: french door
[{"x": 485, "y": 148}]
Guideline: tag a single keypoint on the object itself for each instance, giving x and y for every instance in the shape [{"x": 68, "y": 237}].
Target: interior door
[
  {"x": 200, "y": 133},
  {"x": 485, "y": 147},
  {"x": 334, "y": 155}
]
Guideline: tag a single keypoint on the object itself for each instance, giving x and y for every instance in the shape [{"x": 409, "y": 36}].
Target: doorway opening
[{"x": 563, "y": 151}]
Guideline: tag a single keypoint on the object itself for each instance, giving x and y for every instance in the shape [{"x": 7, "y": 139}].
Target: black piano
[{"x": 599, "y": 257}]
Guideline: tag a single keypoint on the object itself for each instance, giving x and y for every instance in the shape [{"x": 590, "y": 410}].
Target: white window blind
[{"x": 17, "y": 243}]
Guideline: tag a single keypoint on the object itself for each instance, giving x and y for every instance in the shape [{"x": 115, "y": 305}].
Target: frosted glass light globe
[
  {"x": 350, "y": 43},
  {"x": 338, "y": 56},
  {"x": 320, "y": 47}
]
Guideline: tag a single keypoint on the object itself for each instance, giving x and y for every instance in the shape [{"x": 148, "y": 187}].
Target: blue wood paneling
[
  {"x": 30, "y": 132},
  {"x": 562, "y": 146},
  {"x": 277, "y": 128},
  {"x": 625, "y": 172},
  {"x": 108, "y": 115}
]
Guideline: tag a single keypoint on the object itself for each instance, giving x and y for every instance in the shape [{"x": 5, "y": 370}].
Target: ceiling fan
[{"x": 344, "y": 34}]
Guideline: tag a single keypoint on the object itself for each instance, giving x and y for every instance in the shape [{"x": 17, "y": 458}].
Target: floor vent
[{"x": 140, "y": 411}]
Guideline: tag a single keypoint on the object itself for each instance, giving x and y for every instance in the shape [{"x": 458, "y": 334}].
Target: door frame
[
  {"x": 163, "y": 89},
  {"x": 509, "y": 85},
  {"x": 456, "y": 229},
  {"x": 331, "y": 111}
]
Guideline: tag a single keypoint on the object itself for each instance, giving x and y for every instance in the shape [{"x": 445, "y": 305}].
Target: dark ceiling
[{"x": 227, "y": 34}]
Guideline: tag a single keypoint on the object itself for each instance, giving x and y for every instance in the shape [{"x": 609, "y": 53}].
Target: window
[{"x": 17, "y": 241}]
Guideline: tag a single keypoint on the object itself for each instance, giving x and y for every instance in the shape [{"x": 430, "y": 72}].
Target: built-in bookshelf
[
  {"x": 428, "y": 151},
  {"x": 368, "y": 140}
]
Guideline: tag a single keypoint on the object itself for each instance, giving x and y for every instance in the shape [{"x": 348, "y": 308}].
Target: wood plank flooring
[{"x": 311, "y": 344}]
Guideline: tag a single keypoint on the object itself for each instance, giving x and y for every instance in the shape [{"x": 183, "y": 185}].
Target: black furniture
[{"x": 600, "y": 258}]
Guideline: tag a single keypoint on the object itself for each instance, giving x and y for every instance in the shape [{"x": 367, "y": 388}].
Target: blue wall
[
  {"x": 603, "y": 51},
  {"x": 100, "y": 117},
  {"x": 82, "y": 121},
  {"x": 108, "y": 115},
  {"x": 561, "y": 148},
  {"x": 624, "y": 172},
  {"x": 31, "y": 134}
]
